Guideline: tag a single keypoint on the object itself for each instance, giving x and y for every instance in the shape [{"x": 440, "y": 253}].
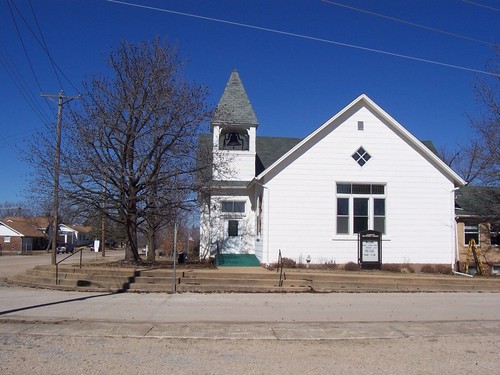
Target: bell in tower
[{"x": 233, "y": 140}]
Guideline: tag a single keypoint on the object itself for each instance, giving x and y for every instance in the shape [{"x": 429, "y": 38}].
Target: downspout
[
  {"x": 461, "y": 274},
  {"x": 455, "y": 232},
  {"x": 268, "y": 216},
  {"x": 208, "y": 242},
  {"x": 455, "y": 254}
]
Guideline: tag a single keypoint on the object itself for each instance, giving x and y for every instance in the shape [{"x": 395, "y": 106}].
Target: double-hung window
[
  {"x": 495, "y": 234},
  {"x": 360, "y": 207},
  {"x": 360, "y": 214},
  {"x": 233, "y": 206},
  {"x": 471, "y": 232}
]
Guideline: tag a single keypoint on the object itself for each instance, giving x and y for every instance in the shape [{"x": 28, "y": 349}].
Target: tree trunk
[
  {"x": 131, "y": 250},
  {"x": 151, "y": 244}
]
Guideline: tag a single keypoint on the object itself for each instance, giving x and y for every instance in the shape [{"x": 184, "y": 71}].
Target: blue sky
[{"x": 301, "y": 61}]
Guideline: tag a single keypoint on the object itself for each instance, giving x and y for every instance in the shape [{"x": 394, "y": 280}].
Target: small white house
[{"x": 360, "y": 170}]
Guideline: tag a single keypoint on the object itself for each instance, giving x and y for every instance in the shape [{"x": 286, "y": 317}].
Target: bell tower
[{"x": 234, "y": 129}]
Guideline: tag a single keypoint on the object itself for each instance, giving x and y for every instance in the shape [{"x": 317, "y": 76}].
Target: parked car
[
  {"x": 111, "y": 243},
  {"x": 81, "y": 243},
  {"x": 65, "y": 248}
]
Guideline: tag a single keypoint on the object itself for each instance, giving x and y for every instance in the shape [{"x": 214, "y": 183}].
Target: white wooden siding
[
  {"x": 419, "y": 223},
  {"x": 213, "y": 229},
  {"x": 6, "y": 231},
  {"x": 233, "y": 165}
]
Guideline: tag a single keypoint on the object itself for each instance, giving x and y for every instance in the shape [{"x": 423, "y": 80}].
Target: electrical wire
[
  {"x": 18, "y": 80},
  {"x": 302, "y": 36},
  {"x": 46, "y": 48},
  {"x": 482, "y": 5},
  {"x": 460, "y": 36},
  {"x": 8, "y": 140},
  {"x": 24, "y": 48}
]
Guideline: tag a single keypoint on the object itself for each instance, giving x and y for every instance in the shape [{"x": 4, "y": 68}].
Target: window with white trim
[
  {"x": 233, "y": 206},
  {"x": 6, "y": 239},
  {"x": 360, "y": 207},
  {"x": 471, "y": 232},
  {"x": 495, "y": 234}
]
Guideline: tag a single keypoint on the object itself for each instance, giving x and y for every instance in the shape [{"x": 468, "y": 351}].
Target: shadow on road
[{"x": 57, "y": 303}]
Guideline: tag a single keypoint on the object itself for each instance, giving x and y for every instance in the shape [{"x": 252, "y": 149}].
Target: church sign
[{"x": 370, "y": 249}]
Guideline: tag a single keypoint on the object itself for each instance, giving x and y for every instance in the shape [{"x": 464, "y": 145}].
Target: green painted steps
[{"x": 237, "y": 260}]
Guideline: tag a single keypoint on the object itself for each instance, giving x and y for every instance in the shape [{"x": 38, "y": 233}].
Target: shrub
[
  {"x": 288, "y": 263},
  {"x": 406, "y": 267},
  {"x": 436, "y": 268},
  {"x": 442, "y": 269},
  {"x": 427, "y": 268},
  {"x": 351, "y": 266},
  {"x": 392, "y": 267},
  {"x": 329, "y": 265}
]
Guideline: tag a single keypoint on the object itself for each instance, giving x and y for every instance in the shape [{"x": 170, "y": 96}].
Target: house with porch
[
  {"x": 23, "y": 234},
  {"x": 311, "y": 198},
  {"x": 76, "y": 235}
]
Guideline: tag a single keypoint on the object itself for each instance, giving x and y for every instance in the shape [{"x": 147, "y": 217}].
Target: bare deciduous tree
[
  {"x": 130, "y": 151},
  {"x": 478, "y": 161},
  {"x": 11, "y": 209}
]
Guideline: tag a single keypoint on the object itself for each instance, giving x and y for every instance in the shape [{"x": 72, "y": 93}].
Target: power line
[
  {"x": 413, "y": 58},
  {"x": 46, "y": 48},
  {"x": 9, "y": 145},
  {"x": 18, "y": 80},
  {"x": 482, "y": 5},
  {"x": 24, "y": 46},
  {"x": 460, "y": 36}
]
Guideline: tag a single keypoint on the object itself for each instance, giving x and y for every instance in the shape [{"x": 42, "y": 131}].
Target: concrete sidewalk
[
  {"x": 50, "y": 305},
  {"x": 247, "y": 316},
  {"x": 251, "y": 331}
]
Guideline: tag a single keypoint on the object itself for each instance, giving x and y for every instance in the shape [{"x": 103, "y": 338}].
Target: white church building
[{"x": 310, "y": 198}]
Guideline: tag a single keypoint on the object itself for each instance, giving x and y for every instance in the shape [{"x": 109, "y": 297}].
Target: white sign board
[{"x": 370, "y": 251}]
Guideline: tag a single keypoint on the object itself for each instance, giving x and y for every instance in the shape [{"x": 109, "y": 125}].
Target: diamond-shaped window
[{"x": 361, "y": 156}]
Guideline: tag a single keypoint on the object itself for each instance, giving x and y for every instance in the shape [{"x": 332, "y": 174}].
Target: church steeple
[
  {"x": 234, "y": 108},
  {"x": 234, "y": 128}
]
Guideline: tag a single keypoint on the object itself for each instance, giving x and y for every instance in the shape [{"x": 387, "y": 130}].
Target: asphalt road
[
  {"x": 53, "y": 332},
  {"x": 13, "y": 264}
]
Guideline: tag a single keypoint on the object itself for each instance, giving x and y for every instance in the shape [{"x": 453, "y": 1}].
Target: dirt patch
[{"x": 158, "y": 264}]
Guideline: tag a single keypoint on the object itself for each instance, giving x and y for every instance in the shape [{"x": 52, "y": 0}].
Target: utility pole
[
  {"x": 174, "y": 286},
  {"x": 103, "y": 218},
  {"x": 55, "y": 227}
]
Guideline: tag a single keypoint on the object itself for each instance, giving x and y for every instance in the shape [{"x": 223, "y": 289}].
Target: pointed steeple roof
[{"x": 234, "y": 107}]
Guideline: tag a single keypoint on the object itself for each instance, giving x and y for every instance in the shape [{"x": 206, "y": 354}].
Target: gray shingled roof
[
  {"x": 234, "y": 107},
  {"x": 478, "y": 201},
  {"x": 431, "y": 147},
  {"x": 270, "y": 149}
]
